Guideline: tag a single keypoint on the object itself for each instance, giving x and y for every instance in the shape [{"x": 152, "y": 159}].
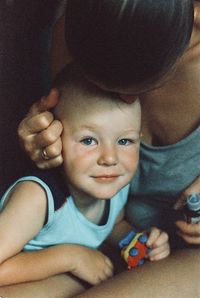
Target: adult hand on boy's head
[{"x": 39, "y": 133}]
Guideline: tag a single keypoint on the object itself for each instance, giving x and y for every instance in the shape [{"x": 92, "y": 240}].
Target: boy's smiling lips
[{"x": 105, "y": 178}]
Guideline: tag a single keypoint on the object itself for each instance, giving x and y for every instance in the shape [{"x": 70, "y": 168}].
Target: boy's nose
[{"x": 108, "y": 157}]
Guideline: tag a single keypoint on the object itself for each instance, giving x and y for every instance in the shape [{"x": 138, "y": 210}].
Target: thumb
[
  {"x": 49, "y": 101},
  {"x": 46, "y": 102}
]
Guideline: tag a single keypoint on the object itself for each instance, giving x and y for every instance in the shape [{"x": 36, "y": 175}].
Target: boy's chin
[{"x": 106, "y": 195}]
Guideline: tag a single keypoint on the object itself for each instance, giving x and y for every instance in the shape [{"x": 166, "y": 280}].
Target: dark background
[{"x": 24, "y": 39}]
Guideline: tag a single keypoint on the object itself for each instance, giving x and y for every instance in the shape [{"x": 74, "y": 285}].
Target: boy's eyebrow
[
  {"x": 132, "y": 130},
  {"x": 88, "y": 125}
]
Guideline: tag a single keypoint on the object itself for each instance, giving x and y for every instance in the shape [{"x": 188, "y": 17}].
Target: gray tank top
[{"x": 164, "y": 172}]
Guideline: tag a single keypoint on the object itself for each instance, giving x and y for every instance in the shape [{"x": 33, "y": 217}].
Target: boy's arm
[
  {"x": 22, "y": 218},
  {"x": 37, "y": 265},
  {"x": 87, "y": 264}
]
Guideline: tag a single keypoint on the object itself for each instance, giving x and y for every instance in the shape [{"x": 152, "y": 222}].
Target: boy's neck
[{"x": 93, "y": 209}]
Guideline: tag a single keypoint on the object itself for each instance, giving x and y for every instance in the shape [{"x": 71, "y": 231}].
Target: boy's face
[{"x": 101, "y": 148}]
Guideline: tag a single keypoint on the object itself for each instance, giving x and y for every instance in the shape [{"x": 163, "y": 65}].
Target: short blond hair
[{"x": 74, "y": 88}]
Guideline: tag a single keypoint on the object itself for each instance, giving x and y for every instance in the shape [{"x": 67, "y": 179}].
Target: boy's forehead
[
  {"x": 106, "y": 113},
  {"x": 99, "y": 106},
  {"x": 77, "y": 98},
  {"x": 85, "y": 102},
  {"x": 75, "y": 103}
]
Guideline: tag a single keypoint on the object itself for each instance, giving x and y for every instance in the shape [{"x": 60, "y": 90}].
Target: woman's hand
[
  {"x": 91, "y": 265},
  {"x": 159, "y": 244},
  {"x": 40, "y": 133},
  {"x": 190, "y": 233}
]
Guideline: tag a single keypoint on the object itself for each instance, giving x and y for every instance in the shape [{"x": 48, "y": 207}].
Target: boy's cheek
[{"x": 131, "y": 160}]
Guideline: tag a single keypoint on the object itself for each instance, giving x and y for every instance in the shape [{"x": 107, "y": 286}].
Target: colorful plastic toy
[{"x": 133, "y": 249}]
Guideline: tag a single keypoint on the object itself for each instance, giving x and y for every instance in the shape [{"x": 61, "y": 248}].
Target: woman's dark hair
[{"x": 122, "y": 42}]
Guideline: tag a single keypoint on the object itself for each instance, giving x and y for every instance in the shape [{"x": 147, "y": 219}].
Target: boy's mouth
[{"x": 105, "y": 178}]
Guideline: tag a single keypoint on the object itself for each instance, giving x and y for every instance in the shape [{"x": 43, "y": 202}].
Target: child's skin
[{"x": 100, "y": 152}]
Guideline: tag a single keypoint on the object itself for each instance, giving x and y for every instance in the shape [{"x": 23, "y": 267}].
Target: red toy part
[
  {"x": 137, "y": 260},
  {"x": 134, "y": 249}
]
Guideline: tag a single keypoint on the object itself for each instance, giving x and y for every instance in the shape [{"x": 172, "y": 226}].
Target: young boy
[{"x": 101, "y": 139}]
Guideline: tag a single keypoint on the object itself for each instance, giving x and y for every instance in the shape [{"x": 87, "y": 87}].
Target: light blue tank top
[{"x": 68, "y": 224}]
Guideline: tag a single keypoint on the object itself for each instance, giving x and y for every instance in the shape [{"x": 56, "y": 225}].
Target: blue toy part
[
  {"x": 141, "y": 262},
  {"x": 133, "y": 249},
  {"x": 126, "y": 240},
  {"x": 143, "y": 239},
  {"x": 133, "y": 252}
]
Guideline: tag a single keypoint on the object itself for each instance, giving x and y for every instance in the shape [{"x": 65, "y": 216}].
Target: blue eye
[
  {"x": 125, "y": 142},
  {"x": 88, "y": 141}
]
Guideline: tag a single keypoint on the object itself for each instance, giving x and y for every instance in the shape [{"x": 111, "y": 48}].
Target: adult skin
[
  {"x": 144, "y": 282},
  {"x": 176, "y": 276}
]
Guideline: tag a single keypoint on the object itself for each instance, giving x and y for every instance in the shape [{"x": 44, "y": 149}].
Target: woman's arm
[{"x": 176, "y": 276}]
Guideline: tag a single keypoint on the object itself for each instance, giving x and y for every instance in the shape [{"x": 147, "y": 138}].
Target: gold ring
[{"x": 45, "y": 155}]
